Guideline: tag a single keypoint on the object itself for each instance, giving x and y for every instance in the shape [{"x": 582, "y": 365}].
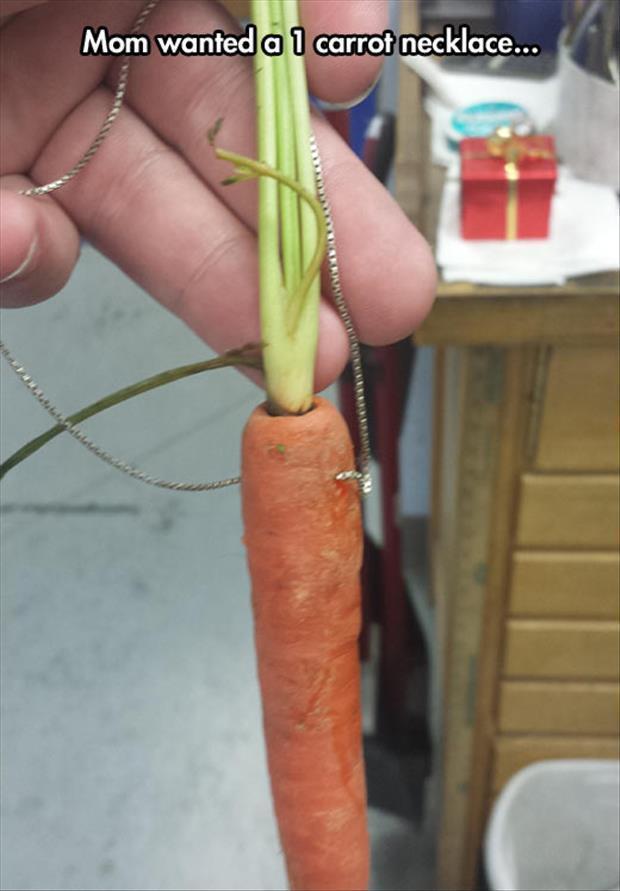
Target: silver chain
[
  {"x": 81, "y": 437},
  {"x": 362, "y": 475},
  {"x": 119, "y": 98}
]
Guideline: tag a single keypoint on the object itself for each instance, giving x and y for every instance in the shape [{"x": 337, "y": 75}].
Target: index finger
[
  {"x": 342, "y": 78},
  {"x": 334, "y": 79},
  {"x": 10, "y": 7}
]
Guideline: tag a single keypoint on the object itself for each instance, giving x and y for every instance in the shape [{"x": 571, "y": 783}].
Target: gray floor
[{"x": 132, "y": 755}]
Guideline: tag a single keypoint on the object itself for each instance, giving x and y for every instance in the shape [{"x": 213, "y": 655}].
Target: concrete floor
[{"x": 132, "y": 755}]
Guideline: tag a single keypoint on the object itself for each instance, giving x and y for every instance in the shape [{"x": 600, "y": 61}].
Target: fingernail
[
  {"x": 24, "y": 265},
  {"x": 351, "y": 103}
]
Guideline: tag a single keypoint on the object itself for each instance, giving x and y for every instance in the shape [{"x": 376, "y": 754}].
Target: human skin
[{"x": 152, "y": 198}]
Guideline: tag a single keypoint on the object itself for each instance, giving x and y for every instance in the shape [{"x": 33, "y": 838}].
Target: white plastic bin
[{"x": 556, "y": 827}]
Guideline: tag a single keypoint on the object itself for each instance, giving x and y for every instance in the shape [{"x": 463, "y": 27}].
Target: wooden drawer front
[
  {"x": 565, "y": 584},
  {"x": 568, "y": 511},
  {"x": 538, "y": 648},
  {"x": 513, "y": 753},
  {"x": 579, "y": 425},
  {"x": 537, "y": 707}
]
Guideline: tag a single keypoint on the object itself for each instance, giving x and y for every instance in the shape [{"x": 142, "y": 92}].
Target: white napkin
[{"x": 584, "y": 238}]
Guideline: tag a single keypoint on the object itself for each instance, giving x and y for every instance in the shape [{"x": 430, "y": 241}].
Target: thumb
[{"x": 39, "y": 245}]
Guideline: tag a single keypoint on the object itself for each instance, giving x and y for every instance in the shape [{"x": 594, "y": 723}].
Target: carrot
[{"x": 304, "y": 548}]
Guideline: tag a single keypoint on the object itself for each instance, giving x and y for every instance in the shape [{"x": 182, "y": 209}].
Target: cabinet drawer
[
  {"x": 581, "y": 708},
  {"x": 564, "y": 584},
  {"x": 538, "y": 648},
  {"x": 513, "y": 753},
  {"x": 568, "y": 511},
  {"x": 579, "y": 424}
]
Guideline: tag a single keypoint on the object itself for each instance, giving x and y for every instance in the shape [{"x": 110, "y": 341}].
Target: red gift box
[{"x": 507, "y": 183}]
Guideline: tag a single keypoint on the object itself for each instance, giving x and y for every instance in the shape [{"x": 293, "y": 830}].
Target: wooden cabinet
[
  {"x": 579, "y": 425},
  {"x": 568, "y": 708},
  {"x": 524, "y": 569},
  {"x": 568, "y": 511},
  {"x": 562, "y": 649},
  {"x": 525, "y": 520},
  {"x": 582, "y": 584}
]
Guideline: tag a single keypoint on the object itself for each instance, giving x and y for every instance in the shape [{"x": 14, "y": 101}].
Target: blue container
[
  {"x": 530, "y": 21},
  {"x": 360, "y": 117}
]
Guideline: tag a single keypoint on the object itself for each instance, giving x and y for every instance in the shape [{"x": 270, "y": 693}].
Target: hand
[{"x": 151, "y": 199}]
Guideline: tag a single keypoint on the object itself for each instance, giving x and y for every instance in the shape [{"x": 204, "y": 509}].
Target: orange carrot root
[{"x": 304, "y": 542}]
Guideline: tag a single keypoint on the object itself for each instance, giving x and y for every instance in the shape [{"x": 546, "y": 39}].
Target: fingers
[
  {"x": 11, "y": 7},
  {"x": 342, "y": 78},
  {"x": 39, "y": 246},
  {"x": 142, "y": 205},
  {"x": 47, "y": 38},
  {"x": 386, "y": 268},
  {"x": 39, "y": 65},
  {"x": 192, "y": 246}
]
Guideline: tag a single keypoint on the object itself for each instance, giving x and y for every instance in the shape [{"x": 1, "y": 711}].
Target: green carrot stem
[
  {"x": 289, "y": 328},
  {"x": 290, "y": 232},
  {"x": 248, "y": 168},
  {"x": 300, "y": 123},
  {"x": 270, "y": 272}
]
